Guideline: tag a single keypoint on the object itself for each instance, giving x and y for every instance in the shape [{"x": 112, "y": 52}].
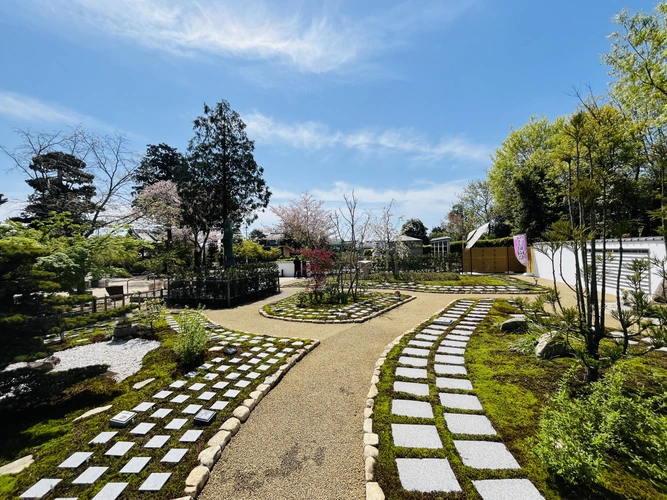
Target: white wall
[
  {"x": 286, "y": 269},
  {"x": 633, "y": 248}
]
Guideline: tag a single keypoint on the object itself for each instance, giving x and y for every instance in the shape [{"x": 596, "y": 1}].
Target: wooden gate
[{"x": 491, "y": 260}]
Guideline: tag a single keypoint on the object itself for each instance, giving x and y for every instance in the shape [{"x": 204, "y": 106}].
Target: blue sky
[{"x": 403, "y": 100}]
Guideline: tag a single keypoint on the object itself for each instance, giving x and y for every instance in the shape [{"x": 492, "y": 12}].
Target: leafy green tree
[
  {"x": 221, "y": 182},
  {"x": 61, "y": 184},
  {"x": 258, "y": 236},
  {"x": 415, "y": 229},
  {"x": 159, "y": 163},
  {"x": 456, "y": 224}
]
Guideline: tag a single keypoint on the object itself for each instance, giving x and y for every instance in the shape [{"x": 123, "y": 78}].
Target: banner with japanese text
[{"x": 521, "y": 248}]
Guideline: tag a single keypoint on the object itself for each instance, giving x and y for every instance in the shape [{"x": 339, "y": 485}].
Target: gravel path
[
  {"x": 123, "y": 356},
  {"x": 304, "y": 440}
]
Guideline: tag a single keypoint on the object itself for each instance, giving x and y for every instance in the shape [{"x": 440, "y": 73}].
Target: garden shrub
[
  {"x": 191, "y": 341},
  {"x": 579, "y": 436}
]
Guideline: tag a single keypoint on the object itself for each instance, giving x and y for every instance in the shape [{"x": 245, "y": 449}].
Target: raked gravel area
[
  {"x": 304, "y": 439},
  {"x": 123, "y": 356}
]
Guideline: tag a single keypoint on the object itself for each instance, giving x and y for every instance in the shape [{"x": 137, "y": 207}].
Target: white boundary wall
[{"x": 633, "y": 248}]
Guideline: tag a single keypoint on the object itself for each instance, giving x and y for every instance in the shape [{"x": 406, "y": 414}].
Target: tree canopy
[{"x": 415, "y": 229}]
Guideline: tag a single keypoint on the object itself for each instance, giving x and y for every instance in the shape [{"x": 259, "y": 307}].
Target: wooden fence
[{"x": 491, "y": 260}]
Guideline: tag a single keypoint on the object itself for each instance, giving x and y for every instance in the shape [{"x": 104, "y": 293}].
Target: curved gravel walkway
[{"x": 303, "y": 441}]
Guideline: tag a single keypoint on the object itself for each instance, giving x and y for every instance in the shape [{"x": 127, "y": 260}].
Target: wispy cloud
[
  {"x": 29, "y": 109},
  {"x": 311, "y": 37},
  {"x": 314, "y": 136}
]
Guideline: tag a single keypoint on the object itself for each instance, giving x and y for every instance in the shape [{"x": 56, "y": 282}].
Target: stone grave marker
[
  {"x": 204, "y": 417},
  {"x": 123, "y": 419}
]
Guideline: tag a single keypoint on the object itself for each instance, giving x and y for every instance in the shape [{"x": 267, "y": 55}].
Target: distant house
[
  {"x": 415, "y": 245},
  {"x": 440, "y": 245}
]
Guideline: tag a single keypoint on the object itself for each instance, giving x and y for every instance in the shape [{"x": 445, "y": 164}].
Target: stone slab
[
  {"x": 220, "y": 385},
  {"x": 135, "y": 465},
  {"x": 451, "y": 350},
  {"x": 449, "y": 359},
  {"x": 232, "y": 393},
  {"x": 420, "y": 343},
  {"x": 75, "y": 459},
  {"x": 155, "y": 481},
  {"x": 190, "y": 436},
  {"x": 411, "y": 388},
  {"x": 449, "y": 370},
  {"x": 103, "y": 437},
  {"x": 161, "y": 413},
  {"x": 174, "y": 455},
  {"x": 142, "y": 429},
  {"x": 219, "y": 405},
  {"x": 485, "y": 455},
  {"x": 162, "y": 394},
  {"x": 119, "y": 449},
  {"x": 40, "y": 488},
  {"x": 197, "y": 387},
  {"x": 461, "y": 423},
  {"x": 453, "y": 383},
  {"x": 423, "y": 336},
  {"x": 176, "y": 424},
  {"x": 410, "y": 361},
  {"x": 92, "y": 412},
  {"x": 90, "y": 475},
  {"x": 507, "y": 489},
  {"x": 145, "y": 406},
  {"x": 412, "y": 351},
  {"x": 454, "y": 343},
  {"x": 178, "y": 384},
  {"x": 111, "y": 491},
  {"x": 192, "y": 409},
  {"x": 409, "y": 408},
  {"x": 143, "y": 383},
  {"x": 157, "y": 441},
  {"x": 206, "y": 396},
  {"x": 416, "y": 436},
  {"x": 181, "y": 398},
  {"x": 17, "y": 465},
  {"x": 415, "y": 373},
  {"x": 427, "y": 475},
  {"x": 460, "y": 401}
]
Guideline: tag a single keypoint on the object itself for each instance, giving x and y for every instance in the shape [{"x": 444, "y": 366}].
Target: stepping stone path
[
  {"x": 522, "y": 288},
  {"x": 414, "y": 425},
  {"x": 168, "y": 427}
]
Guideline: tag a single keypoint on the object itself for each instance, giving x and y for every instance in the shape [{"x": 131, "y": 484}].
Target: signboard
[{"x": 521, "y": 248}]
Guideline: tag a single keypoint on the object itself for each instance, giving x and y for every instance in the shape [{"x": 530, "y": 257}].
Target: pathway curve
[{"x": 303, "y": 440}]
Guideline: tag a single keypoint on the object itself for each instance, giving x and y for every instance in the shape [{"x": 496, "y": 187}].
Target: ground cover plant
[
  {"x": 303, "y": 305},
  {"x": 48, "y": 432},
  {"x": 448, "y": 280}
]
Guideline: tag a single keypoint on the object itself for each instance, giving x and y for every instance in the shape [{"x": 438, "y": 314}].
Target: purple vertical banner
[{"x": 521, "y": 248}]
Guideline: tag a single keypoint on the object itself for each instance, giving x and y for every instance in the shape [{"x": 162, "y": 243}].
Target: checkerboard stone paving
[
  {"x": 170, "y": 425},
  {"x": 442, "y": 346}
]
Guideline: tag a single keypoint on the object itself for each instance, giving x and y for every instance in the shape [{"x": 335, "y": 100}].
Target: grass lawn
[{"x": 513, "y": 388}]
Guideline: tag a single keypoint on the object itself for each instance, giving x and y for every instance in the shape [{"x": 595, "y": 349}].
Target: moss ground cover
[
  {"x": 48, "y": 432},
  {"x": 299, "y": 307},
  {"x": 431, "y": 282}
]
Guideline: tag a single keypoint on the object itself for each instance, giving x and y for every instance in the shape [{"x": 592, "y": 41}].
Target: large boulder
[
  {"x": 551, "y": 345},
  {"x": 514, "y": 325}
]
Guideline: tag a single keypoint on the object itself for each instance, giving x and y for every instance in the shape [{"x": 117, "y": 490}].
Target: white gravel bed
[{"x": 123, "y": 356}]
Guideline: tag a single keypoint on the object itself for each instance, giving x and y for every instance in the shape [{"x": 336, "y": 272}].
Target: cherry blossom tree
[{"x": 303, "y": 222}]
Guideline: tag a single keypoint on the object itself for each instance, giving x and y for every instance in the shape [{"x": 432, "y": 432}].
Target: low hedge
[{"x": 457, "y": 246}]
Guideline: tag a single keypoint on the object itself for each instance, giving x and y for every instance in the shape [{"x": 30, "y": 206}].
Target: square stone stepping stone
[
  {"x": 252, "y": 375},
  {"x": 197, "y": 387},
  {"x": 155, "y": 481},
  {"x": 216, "y": 360},
  {"x": 211, "y": 376},
  {"x": 242, "y": 383},
  {"x": 411, "y": 351},
  {"x": 506, "y": 489},
  {"x": 432, "y": 331},
  {"x": 192, "y": 409},
  {"x": 411, "y": 388},
  {"x": 232, "y": 393},
  {"x": 190, "y": 436},
  {"x": 103, "y": 437},
  {"x": 460, "y": 401},
  {"x": 407, "y": 360},
  {"x": 458, "y": 338},
  {"x": 453, "y": 343},
  {"x": 448, "y": 359},
  {"x": 220, "y": 385},
  {"x": 181, "y": 398},
  {"x": 409, "y": 408},
  {"x": 162, "y": 394},
  {"x": 453, "y": 383},
  {"x": 174, "y": 455},
  {"x": 40, "y": 488},
  {"x": 245, "y": 368},
  {"x": 75, "y": 459},
  {"x": 411, "y": 372},
  {"x": 90, "y": 475},
  {"x": 424, "y": 336},
  {"x": 143, "y": 406},
  {"x": 161, "y": 413},
  {"x": 420, "y": 343},
  {"x": 438, "y": 329},
  {"x": 157, "y": 441},
  {"x": 219, "y": 405},
  {"x": 135, "y": 465},
  {"x": 206, "y": 366},
  {"x": 206, "y": 396},
  {"x": 142, "y": 429},
  {"x": 176, "y": 424},
  {"x": 178, "y": 384},
  {"x": 232, "y": 376},
  {"x": 451, "y": 350},
  {"x": 427, "y": 475},
  {"x": 449, "y": 370},
  {"x": 120, "y": 448},
  {"x": 110, "y": 491},
  {"x": 262, "y": 367},
  {"x": 416, "y": 436},
  {"x": 485, "y": 455},
  {"x": 223, "y": 368},
  {"x": 463, "y": 333},
  {"x": 460, "y": 423}
]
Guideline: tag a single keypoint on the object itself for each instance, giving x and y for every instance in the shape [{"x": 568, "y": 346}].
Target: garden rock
[
  {"x": 514, "y": 325},
  {"x": 550, "y": 346},
  {"x": 45, "y": 365},
  {"x": 197, "y": 479},
  {"x": 17, "y": 466}
]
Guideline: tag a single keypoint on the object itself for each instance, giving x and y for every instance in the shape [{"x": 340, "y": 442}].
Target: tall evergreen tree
[{"x": 160, "y": 163}]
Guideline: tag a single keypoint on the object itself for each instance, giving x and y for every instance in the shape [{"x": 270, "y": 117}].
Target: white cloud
[
  {"x": 313, "y": 38},
  {"x": 316, "y": 136},
  {"x": 22, "y": 107}
]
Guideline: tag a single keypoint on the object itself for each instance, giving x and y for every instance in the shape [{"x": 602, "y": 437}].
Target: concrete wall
[
  {"x": 633, "y": 248},
  {"x": 286, "y": 269}
]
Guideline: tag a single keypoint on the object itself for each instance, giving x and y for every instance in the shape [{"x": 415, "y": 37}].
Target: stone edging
[
  {"x": 332, "y": 321},
  {"x": 372, "y": 440},
  {"x": 208, "y": 457}
]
